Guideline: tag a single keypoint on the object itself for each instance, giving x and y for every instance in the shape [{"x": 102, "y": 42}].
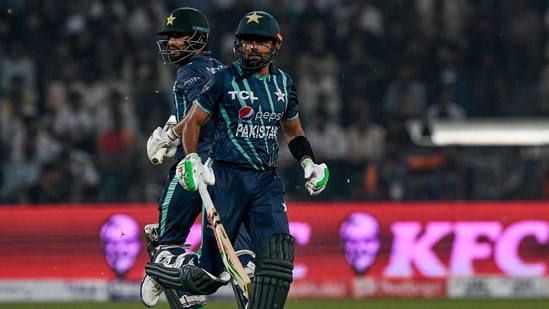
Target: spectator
[
  {"x": 114, "y": 108},
  {"x": 13, "y": 108},
  {"x": 330, "y": 137},
  {"x": 74, "y": 122},
  {"x": 84, "y": 173},
  {"x": 317, "y": 70},
  {"x": 386, "y": 179},
  {"x": 447, "y": 68},
  {"x": 115, "y": 155},
  {"x": 53, "y": 185},
  {"x": 445, "y": 107},
  {"x": 366, "y": 138},
  {"x": 35, "y": 138},
  {"x": 405, "y": 96},
  {"x": 363, "y": 78},
  {"x": 17, "y": 63},
  {"x": 19, "y": 171}
]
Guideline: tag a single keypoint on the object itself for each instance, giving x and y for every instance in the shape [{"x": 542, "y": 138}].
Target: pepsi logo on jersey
[{"x": 246, "y": 113}]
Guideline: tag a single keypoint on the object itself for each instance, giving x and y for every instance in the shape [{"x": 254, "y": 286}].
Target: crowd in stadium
[{"x": 82, "y": 86}]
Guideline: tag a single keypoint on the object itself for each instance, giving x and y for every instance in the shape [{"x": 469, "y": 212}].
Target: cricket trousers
[{"x": 243, "y": 197}]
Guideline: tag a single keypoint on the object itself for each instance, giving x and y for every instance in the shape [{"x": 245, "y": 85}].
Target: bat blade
[{"x": 226, "y": 249}]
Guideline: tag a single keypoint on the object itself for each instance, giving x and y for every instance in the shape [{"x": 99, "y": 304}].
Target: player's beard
[
  {"x": 180, "y": 56},
  {"x": 255, "y": 59}
]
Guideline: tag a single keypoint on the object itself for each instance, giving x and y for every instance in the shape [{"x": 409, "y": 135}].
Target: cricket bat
[
  {"x": 226, "y": 250},
  {"x": 160, "y": 153}
]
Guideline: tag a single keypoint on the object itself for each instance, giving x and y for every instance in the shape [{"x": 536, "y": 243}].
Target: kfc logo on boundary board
[{"x": 413, "y": 243}]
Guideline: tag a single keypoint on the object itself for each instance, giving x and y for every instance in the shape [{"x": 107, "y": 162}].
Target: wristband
[
  {"x": 300, "y": 147},
  {"x": 172, "y": 135}
]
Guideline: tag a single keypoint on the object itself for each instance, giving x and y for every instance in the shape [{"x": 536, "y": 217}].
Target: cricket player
[
  {"x": 249, "y": 101},
  {"x": 185, "y": 43}
]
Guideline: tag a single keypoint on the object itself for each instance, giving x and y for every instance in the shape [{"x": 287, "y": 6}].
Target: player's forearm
[
  {"x": 178, "y": 128},
  {"x": 189, "y": 137}
]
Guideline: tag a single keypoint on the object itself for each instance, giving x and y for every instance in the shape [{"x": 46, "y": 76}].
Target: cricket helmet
[
  {"x": 184, "y": 21},
  {"x": 257, "y": 24}
]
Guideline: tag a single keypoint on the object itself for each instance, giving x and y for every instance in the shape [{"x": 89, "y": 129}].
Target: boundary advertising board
[{"x": 442, "y": 249}]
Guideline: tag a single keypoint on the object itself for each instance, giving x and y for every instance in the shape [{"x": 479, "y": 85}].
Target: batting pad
[
  {"x": 273, "y": 272},
  {"x": 189, "y": 278}
]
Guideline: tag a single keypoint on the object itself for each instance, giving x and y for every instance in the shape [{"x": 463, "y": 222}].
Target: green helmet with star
[
  {"x": 257, "y": 24},
  {"x": 185, "y": 20},
  {"x": 189, "y": 22}
]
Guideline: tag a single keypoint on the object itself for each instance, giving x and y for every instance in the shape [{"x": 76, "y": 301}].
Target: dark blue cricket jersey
[
  {"x": 190, "y": 79},
  {"x": 247, "y": 113}
]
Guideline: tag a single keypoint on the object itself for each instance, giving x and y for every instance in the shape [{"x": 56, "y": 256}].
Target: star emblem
[
  {"x": 280, "y": 95},
  {"x": 253, "y": 17},
  {"x": 170, "y": 20}
]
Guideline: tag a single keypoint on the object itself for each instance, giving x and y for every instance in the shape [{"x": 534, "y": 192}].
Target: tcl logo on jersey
[{"x": 243, "y": 95}]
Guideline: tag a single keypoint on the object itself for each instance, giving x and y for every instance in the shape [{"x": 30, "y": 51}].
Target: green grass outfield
[{"x": 320, "y": 304}]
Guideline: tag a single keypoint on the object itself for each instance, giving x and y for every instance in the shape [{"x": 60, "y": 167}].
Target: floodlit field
[{"x": 321, "y": 304}]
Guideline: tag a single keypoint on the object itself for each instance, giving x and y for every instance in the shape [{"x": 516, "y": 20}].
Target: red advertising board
[
  {"x": 63, "y": 242},
  {"x": 343, "y": 249}
]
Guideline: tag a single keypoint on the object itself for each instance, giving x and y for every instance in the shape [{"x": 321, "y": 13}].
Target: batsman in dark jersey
[
  {"x": 249, "y": 101},
  {"x": 186, "y": 44}
]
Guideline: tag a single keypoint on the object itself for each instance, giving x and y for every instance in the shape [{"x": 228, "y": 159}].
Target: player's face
[
  {"x": 177, "y": 44},
  {"x": 256, "y": 48}
]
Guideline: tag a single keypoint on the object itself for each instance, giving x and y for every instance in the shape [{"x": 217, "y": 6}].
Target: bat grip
[
  {"x": 159, "y": 156},
  {"x": 160, "y": 153}
]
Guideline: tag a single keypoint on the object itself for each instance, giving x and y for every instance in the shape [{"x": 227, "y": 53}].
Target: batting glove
[
  {"x": 161, "y": 139},
  {"x": 316, "y": 176},
  {"x": 190, "y": 172}
]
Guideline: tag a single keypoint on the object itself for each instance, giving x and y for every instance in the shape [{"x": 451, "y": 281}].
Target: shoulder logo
[
  {"x": 191, "y": 80},
  {"x": 246, "y": 113}
]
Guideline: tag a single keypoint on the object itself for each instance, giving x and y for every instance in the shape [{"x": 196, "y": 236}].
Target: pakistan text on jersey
[{"x": 256, "y": 131}]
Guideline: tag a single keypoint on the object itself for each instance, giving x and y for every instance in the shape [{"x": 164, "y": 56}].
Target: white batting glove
[
  {"x": 316, "y": 176},
  {"x": 160, "y": 139},
  {"x": 190, "y": 172},
  {"x": 207, "y": 173}
]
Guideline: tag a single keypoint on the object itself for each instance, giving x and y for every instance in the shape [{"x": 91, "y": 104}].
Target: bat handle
[
  {"x": 160, "y": 153},
  {"x": 159, "y": 156}
]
